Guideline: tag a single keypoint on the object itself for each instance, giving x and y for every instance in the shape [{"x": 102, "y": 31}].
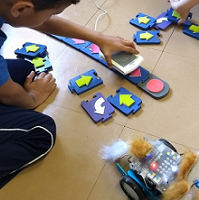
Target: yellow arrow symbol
[
  {"x": 38, "y": 62},
  {"x": 126, "y": 99},
  {"x": 32, "y": 48},
  {"x": 144, "y": 20},
  {"x": 176, "y": 15},
  {"x": 146, "y": 36},
  {"x": 84, "y": 80},
  {"x": 194, "y": 28}
]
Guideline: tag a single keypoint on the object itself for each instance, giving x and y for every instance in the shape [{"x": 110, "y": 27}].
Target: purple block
[
  {"x": 99, "y": 109},
  {"x": 164, "y": 24}
]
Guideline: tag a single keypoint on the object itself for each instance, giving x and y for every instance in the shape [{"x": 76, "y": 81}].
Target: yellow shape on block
[
  {"x": 144, "y": 20},
  {"x": 84, "y": 80},
  {"x": 32, "y": 48},
  {"x": 194, "y": 28},
  {"x": 146, "y": 36},
  {"x": 38, "y": 62},
  {"x": 176, "y": 14},
  {"x": 126, "y": 100}
]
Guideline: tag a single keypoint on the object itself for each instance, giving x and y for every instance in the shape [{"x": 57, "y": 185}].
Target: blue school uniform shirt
[{"x": 4, "y": 74}]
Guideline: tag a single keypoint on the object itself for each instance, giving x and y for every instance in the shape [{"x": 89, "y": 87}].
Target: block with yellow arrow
[
  {"x": 41, "y": 64},
  {"x": 147, "y": 37},
  {"x": 31, "y": 50},
  {"x": 37, "y": 55},
  {"x": 192, "y": 30},
  {"x": 174, "y": 16},
  {"x": 125, "y": 101},
  {"x": 84, "y": 82},
  {"x": 143, "y": 21}
]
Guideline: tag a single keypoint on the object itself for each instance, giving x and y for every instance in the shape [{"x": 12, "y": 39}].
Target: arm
[
  {"x": 183, "y": 7},
  {"x": 108, "y": 44},
  {"x": 32, "y": 95}
]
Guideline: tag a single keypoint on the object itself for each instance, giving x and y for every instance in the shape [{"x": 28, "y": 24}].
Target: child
[
  {"x": 26, "y": 135},
  {"x": 183, "y": 7}
]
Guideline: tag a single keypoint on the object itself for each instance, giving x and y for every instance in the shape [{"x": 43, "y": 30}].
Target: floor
[{"x": 73, "y": 170}]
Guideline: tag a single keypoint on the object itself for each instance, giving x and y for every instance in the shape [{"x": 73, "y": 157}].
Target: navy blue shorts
[{"x": 25, "y": 135}]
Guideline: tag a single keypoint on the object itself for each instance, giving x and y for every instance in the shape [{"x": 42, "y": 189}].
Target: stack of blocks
[{"x": 37, "y": 55}]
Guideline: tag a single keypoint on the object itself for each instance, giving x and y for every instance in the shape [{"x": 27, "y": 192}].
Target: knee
[{"x": 50, "y": 126}]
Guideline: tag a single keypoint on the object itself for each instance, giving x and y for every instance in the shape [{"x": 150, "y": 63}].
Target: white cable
[
  {"x": 104, "y": 13},
  {"x": 24, "y": 130}
]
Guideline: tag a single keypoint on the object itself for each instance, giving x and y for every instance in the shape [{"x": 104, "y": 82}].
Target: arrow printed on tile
[
  {"x": 84, "y": 80},
  {"x": 94, "y": 48},
  {"x": 146, "y": 36},
  {"x": 160, "y": 20},
  {"x": 78, "y": 41},
  {"x": 176, "y": 15},
  {"x": 194, "y": 28},
  {"x": 32, "y": 48},
  {"x": 144, "y": 20},
  {"x": 99, "y": 109},
  {"x": 38, "y": 62},
  {"x": 126, "y": 100}
]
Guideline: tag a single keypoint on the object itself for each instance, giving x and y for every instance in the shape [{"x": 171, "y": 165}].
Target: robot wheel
[
  {"x": 131, "y": 188},
  {"x": 168, "y": 144}
]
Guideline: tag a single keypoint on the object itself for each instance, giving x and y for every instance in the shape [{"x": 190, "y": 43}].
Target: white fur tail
[{"x": 117, "y": 150}]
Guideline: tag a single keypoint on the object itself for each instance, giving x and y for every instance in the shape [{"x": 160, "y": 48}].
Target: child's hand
[
  {"x": 41, "y": 87},
  {"x": 111, "y": 44},
  {"x": 183, "y": 7}
]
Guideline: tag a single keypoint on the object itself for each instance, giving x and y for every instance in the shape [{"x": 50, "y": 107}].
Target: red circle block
[{"x": 155, "y": 85}]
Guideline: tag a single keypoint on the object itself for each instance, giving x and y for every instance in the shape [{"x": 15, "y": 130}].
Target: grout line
[
  {"x": 163, "y": 138},
  {"x": 96, "y": 181},
  {"x": 169, "y": 38},
  {"x": 101, "y": 171}
]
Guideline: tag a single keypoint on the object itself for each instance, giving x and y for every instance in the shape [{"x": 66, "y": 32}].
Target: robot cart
[{"x": 150, "y": 177}]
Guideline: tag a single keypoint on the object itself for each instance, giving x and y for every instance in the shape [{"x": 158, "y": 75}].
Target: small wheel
[
  {"x": 168, "y": 144},
  {"x": 131, "y": 188}
]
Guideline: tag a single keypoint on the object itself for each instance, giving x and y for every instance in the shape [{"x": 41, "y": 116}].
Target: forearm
[
  {"x": 191, "y": 3},
  {"x": 108, "y": 44},
  {"x": 62, "y": 27},
  {"x": 183, "y": 6},
  {"x": 14, "y": 94}
]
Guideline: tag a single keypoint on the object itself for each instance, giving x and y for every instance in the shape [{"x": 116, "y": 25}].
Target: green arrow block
[
  {"x": 84, "y": 80},
  {"x": 176, "y": 14},
  {"x": 194, "y": 28},
  {"x": 126, "y": 100},
  {"x": 144, "y": 20},
  {"x": 32, "y": 48},
  {"x": 38, "y": 62},
  {"x": 146, "y": 36}
]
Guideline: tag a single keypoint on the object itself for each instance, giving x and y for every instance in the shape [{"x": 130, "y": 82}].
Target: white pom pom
[{"x": 117, "y": 150}]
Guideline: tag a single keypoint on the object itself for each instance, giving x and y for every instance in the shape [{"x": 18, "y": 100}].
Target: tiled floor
[{"x": 73, "y": 170}]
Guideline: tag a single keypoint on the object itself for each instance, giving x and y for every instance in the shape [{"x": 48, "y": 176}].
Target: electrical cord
[{"x": 104, "y": 13}]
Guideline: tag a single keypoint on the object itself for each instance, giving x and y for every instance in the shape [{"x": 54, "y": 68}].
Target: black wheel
[
  {"x": 168, "y": 144},
  {"x": 131, "y": 188}
]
